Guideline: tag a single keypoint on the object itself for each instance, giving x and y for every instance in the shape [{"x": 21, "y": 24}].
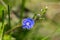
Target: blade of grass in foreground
[
  {"x": 9, "y": 24},
  {"x": 2, "y": 34},
  {"x": 22, "y": 9}
]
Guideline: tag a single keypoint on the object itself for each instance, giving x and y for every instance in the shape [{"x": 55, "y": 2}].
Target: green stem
[
  {"x": 12, "y": 29},
  {"x": 22, "y": 10},
  {"x": 2, "y": 25},
  {"x": 9, "y": 24},
  {"x": 9, "y": 17}
]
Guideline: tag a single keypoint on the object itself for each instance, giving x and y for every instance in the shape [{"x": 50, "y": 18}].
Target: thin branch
[{"x": 15, "y": 27}]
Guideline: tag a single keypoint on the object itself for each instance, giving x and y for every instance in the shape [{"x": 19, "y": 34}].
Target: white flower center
[{"x": 27, "y": 23}]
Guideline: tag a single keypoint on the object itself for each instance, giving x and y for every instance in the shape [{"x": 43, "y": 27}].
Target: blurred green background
[{"x": 48, "y": 29}]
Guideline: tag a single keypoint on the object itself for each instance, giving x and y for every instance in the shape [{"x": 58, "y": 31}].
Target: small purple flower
[{"x": 27, "y": 23}]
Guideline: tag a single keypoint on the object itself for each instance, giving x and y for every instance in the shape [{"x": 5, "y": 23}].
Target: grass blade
[
  {"x": 22, "y": 9},
  {"x": 2, "y": 25}
]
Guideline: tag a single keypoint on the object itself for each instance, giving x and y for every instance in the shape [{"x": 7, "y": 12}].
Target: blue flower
[{"x": 27, "y": 23}]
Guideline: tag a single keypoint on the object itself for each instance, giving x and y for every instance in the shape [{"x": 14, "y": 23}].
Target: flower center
[{"x": 27, "y": 23}]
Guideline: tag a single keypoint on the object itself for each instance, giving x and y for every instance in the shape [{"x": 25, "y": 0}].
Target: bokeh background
[{"x": 47, "y": 29}]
